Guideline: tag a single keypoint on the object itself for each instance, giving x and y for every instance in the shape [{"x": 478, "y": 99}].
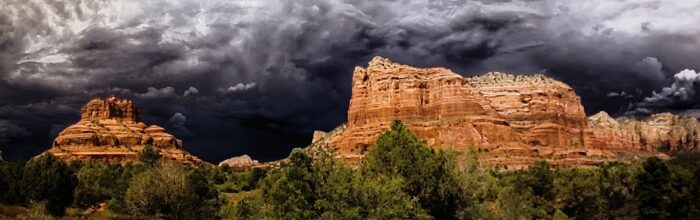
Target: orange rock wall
[{"x": 511, "y": 120}]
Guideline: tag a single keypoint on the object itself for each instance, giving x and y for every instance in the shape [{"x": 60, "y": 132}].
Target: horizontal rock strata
[
  {"x": 510, "y": 120},
  {"x": 658, "y": 132},
  {"x": 111, "y": 130}
]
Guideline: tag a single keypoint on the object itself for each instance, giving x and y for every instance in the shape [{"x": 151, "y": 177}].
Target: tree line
[{"x": 401, "y": 177}]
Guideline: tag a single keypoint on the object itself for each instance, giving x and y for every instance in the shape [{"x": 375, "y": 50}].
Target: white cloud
[
  {"x": 619, "y": 94},
  {"x": 240, "y": 87},
  {"x": 683, "y": 88},
  {"x": 191, "y": 90},
  {"x": 682, "y": 91}
]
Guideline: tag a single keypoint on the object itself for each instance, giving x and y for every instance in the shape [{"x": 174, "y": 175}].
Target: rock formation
[
  {"x": 510, "y": 120},
  {"x": 658, "y": 132},
  {"x": 111, "y": 130},
  {"x": 243, "y": 162}
]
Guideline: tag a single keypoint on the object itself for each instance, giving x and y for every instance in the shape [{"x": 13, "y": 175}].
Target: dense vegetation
[{"x": 400, "y": 178}]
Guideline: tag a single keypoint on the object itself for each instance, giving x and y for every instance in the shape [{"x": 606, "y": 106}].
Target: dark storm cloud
[
  {"x": 178, "y": 121},
  {"x": 9, "y": 130},
  {"x": 257, "y": 77},
  {"x": 679, "y": 96}
]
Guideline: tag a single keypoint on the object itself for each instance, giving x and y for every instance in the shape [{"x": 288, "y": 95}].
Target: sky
[{"x": 258, "y": 77}]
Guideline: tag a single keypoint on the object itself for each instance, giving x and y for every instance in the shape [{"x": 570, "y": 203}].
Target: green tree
[
  {"x": 91, "y": 189},
  {"x": 345, "y": 194},
  {"x": 120, "y": 184},
  {"x": 536, "y": 185},
  {"x": 291, "y": 191},
  {"x": 324, "y": 188},
  {"x": 168, "y": 190},
  {"x": 49, "y": 179},
  {"x": 617, "y": 185},
  {"x": 578, "y": 193},
  {"x": 10, "y": 182},
  {"x": 250, "y": 207},
  {"x": 515, "y": 204},
  {"x": 252, "y": 179},
  {"x": 99, "y": 182},
  {"x": 429, "y": 175},
  {"x": 383, "y": 198},
  {"x": 541, "y": 178},
  {"x": 682, "y": 197},
  {"x": 695, "y": 190},
  {"x": 481, "y": 187},
  {"x": 149, "y": 155},
  {"x": 654, "y": 190},
  {"x": 206, "y": 201}
]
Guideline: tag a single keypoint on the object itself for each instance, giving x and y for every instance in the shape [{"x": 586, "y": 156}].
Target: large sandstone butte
[
  {"x": 111, "y": 130},
  {"x": 510, "y": 120}
]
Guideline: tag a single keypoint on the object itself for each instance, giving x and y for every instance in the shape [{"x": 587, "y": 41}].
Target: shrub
[
  {"x": 168, "y": 190},
  {"x": 149, "y": 155}
]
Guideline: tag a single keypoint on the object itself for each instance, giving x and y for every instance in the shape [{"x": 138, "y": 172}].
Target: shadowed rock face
[
  {"x": 510, "y": 120},
  {"x": 111, "y": 130}
]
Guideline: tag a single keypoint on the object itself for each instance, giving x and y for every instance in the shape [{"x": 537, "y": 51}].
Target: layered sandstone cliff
[
  {"x": 111, "y": 130},
  {"x": 511, "y": 120},
  {"x": 658, "y": 132}
]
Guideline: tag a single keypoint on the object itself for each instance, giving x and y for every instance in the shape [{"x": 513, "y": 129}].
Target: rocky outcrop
[
  {"x": 111, "y": 130},
  {"x": 243, "y": 161},
  {"x": 658, "y": 132},
  {"x": 511, "y": 120}
]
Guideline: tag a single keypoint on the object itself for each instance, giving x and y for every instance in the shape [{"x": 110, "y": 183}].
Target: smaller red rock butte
[
  {"x": 510, "y": 120},
  {"x": 111, "y": 130}
]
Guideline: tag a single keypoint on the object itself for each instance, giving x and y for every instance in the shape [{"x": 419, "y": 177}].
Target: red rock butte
[
  {"x": 510, "y": 120},
  {"x": 111, "y": 130}
]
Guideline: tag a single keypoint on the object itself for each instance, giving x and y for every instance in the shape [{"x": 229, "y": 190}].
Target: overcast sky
[{"x": 257, "y": 77}]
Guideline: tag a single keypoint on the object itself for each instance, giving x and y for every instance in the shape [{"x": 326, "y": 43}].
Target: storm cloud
[{"x": 257, "y": 77}]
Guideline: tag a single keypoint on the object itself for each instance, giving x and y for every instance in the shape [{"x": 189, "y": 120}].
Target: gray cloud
[
  {"x": 178, "y": 121},
  {"x": 151, "y": 92},
  {"x": 56, "y": 55},
  {"x": 650, "y": 67},
  {"x": 9, "y": 130}
]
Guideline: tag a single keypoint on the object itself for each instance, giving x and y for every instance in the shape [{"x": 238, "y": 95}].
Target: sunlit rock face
[
  {"x": 509, "y": 120},
  {"x": 663, "y": 131},
  {"x": 111, "y": 130},
  {"x": 240, "y": 162}
]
